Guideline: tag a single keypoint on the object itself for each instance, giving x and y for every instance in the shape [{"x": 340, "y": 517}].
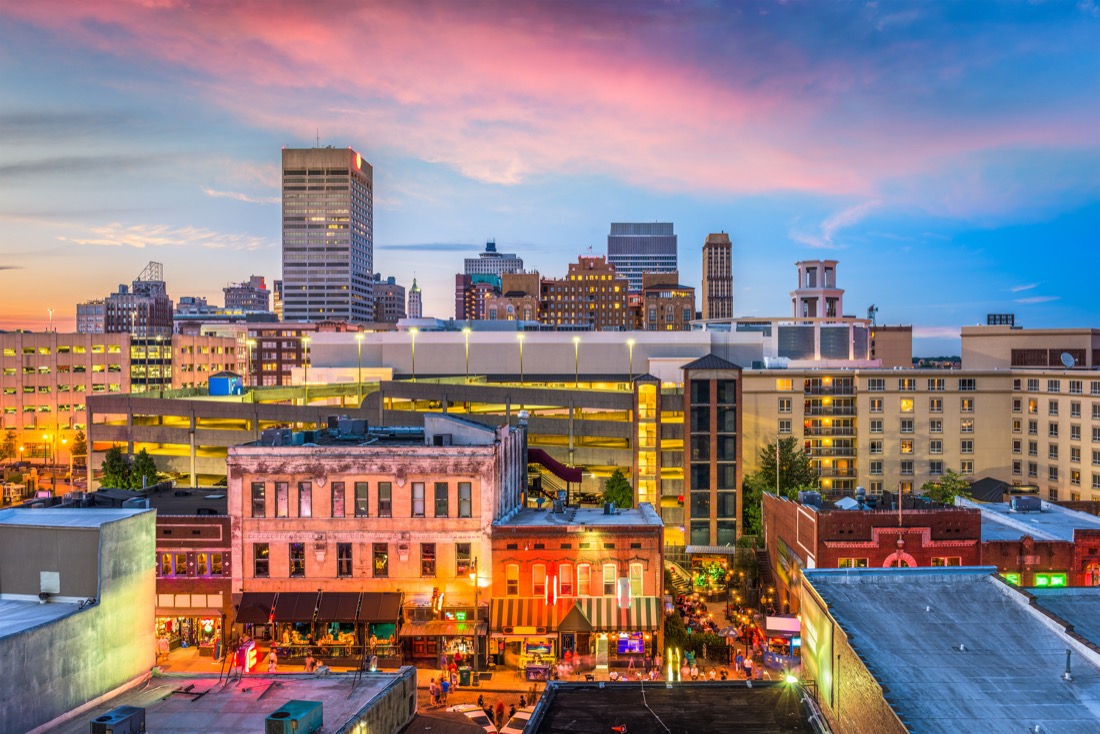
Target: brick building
[
  {"x": 592, "y": 296},
  {"x": 583, "y": 581}
]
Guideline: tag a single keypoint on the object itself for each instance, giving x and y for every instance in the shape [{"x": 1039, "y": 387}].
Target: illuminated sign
[
  {"x": 460, "y": 616},
  {"x": 1050, "y": 579}
]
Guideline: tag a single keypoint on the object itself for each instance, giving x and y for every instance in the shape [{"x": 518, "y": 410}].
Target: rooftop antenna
[
  {"x": 318, "y": 137},
  {"x": 871, "y": 313}
]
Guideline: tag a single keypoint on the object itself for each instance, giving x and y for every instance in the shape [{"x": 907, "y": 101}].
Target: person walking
[
  {"x": 748, "y": 668},
  {"x": 273, "y": 660},
  {"x": 445, "y": 687},
  {"x": 500, "y": 714}
]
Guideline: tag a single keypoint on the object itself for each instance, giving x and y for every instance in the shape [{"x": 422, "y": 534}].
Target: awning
[
  {"x": 780, "y": 626},
  {"x": 295, "y": 606},
  {"x": 255, "y": 607},
  {"x": 338, "y": 606},
  {"x": 514, "y": 615},
  {"x": 710, "y": 550},
  {"x": 380, "y": 606},
  {"x": 643, "y": 614},
  {"x": 442, "y": 628},
  {"x": 575, "y": 621}
]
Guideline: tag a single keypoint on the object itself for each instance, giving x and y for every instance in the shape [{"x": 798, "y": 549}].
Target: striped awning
[
  {"x": 643, "y": 614},
  {"x": 515, "y": 615}
]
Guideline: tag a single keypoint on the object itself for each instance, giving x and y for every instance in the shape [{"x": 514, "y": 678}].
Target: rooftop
[
  {"x": 18, "y": 615},
  {"x": 907, "y": 625},
  {"x": 65, "y": 517},
  {"x": 690, "y": 708},
  {"x": 578, "y": 518},
  {"x": 1001, "y": 522},
  {"x": 237, "y": 707},
  {"x": 1076, "y": 606}
]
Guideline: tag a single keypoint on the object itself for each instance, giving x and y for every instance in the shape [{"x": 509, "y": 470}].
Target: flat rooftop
[
  {"x": 685, "y": 708},
  {"x": 66, "y": 517},
  {"x": 1054, "y": 522},
  {"x": 240, "y": 706},
  {"x": 18, "y": 615},
  {"x": 1077, "y": 606},
  {"x": 906, "y": 625},
  {"x": 581, "y": 517}
]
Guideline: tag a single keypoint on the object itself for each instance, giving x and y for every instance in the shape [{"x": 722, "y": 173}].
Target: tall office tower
[
  {"x": 492, "y": 262},
  {"x": 249, "y": 296},
  {"x": 277, "y": 298},
  {"x": 416, "y": 302},
  {"x": 328, "y": 235},
  {"x": 389, "y": 300},
  {"x": 718, "y": 277},
  {"x": 639, "y": 248}
]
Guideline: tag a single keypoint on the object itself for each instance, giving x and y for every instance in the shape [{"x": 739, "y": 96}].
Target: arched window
[{"x": 565, "y": 579}]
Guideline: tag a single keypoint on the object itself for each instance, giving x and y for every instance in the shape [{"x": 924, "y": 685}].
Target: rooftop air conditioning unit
[
  {"x": 295, "y": 717},
  {"x": 120, "y": 720},
  {"x": 1026, "y": 504}
]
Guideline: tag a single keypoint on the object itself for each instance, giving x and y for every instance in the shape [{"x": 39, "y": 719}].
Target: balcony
[
  {"x": 837, "y": 473},
  {"x": 833, "y": 451},
  {"x": 815, "y": 432},
  {"x": 830, "y": 390},
  {"x": 831, "y": 411}
]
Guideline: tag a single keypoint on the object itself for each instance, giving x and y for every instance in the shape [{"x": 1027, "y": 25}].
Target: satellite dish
[{"x": 1068, "y": 361}]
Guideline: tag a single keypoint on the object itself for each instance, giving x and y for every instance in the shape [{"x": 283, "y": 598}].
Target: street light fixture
[
  {"x": 576, "y": 361},
  {"x": 412, "y": 343},
  {"x": 466, "y": 336},
  {"x": 521, "y": 337},
  {"x": 630, "y": 348},
  {"x": 359, "y": 360}
]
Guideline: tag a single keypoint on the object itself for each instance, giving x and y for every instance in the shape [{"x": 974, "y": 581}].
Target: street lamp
[
  {"x": 466, "y": 336},
  {"x": 412, "y": 334},
  {"x": 359, "y": 360},
  {"x": 64, "y": 442},
  {"x": 251, "y": 344},
  {"x": 305, "y": 359},
  {"x": 521, "y": 337},
  {"x": 630, "y": 348},
  {"x": 576, "y": 361},
  {"x": 477, "y": 615}
]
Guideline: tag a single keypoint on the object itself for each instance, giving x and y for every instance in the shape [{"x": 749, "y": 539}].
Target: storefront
[
  {"x": 783, "y": 639},
  {"x": 525, "y": 633},
  {"x": 456, "y": 635},
  {"x": 611, "y": 633},
  {"x": 204, "y": 632}
]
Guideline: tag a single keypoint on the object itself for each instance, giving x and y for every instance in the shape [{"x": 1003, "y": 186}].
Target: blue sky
[{"x": 947, "y": 154}]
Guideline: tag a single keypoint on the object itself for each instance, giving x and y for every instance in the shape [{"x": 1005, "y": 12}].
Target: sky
[{"x": 946, "y": 153}]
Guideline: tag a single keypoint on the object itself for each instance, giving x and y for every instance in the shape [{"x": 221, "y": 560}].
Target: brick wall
[{"x": 860, "y": 705}]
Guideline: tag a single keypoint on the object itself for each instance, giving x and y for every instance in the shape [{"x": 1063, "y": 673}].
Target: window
[
  {"x": 1052, "y": 430},
  {"x": 609, "y": 579},
  {"x": 906, "y": 425},
  {"x": 784, "y": 405},
  {"x": 785, "y": 425},
  {"x": 1052, "y": 407},
  {"x": 1017, "y": 405},
  {"x": 1017, "y": 446},
  {"x": 343, "y": 560},
  {"x": 907, "y": 405},
  {"x": 907, "y": 468},
  {"x": 876, "y": 405},
  {"x": 946, "y": 560},
  {"x": 282, "y": 499},
  {"x": 1054, "y": 386},
  {"x": 1052, "y": 451},
  {"x": 565, "y": 579},
  {"x": 966, "y": 446},
  {"x": 636, "y": 579},
  {"x": 385, "y": 499},
  {"x": 1076, "y": 387},
  {"x": 538, "y": 579},
  {"x": 464, "y": 564},
  {"x": 337, "y": 499},
  {"x": 935, "y": 425},
  {"x": 1096, "y": 411},
  {"x": 1075, "y": 409},
  {"x": 418, "y": 500},
  {"x": 1052, "y": 473},
  {"x": 1096, "y": 481},
  {"x": 427, "y": 558},
  {"x": 876, "y": 446},
  {"x": 907, "y": 384},
  {"x": 876, "y": 384},
  {"x": 1074, "y": 455},
  {"x": 1017, "y": 425},
  {"x": 1033, "y": 428},
  {"x": 465, "y": 499},
  {"x": 305, "y": 499},
  {"x": 259, "y": 493},
  {"x": 1032, "y": 406},
  {"x": 1095, "y": 457},
  {"x": 1075, "y": 477},
  {"x": 852, "y": 563},
  {"x": 442, "y": 508},
  {"x": 297, "y": 560},
  {"x": 935, "y": 468},
  {"x": 1032, "y": 469},
  {"x": 935, "y": 384},
  {"x": 875, "y": 425},
  {"x": 260, "y": 556},
  {"x": 935, "y": 405},
  {"x": 1096, "y": 434},
  {"x": 935, "y": 446},
  {"x": 783, "y": 385},
  {"x": 511, "y": 575},
  {"x": 1033, "y": 384},
  {"x": 968, "y": 384},
  {"x": 584, "y": 580},
  {"x": 966, "y": 467},
  {"x": 381, "y": 563},
  {"x": 876, "y": 468},
  {"x": 966, "y": 425},
  {"x": 966, "y": 405},
  {"x": 1017, "y": 467}
]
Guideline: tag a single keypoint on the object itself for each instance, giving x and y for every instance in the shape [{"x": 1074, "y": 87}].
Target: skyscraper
[
  {"x": 416, "y": 304},
  {"x": 718, "y": 277},
  {"x": 328, "y": 235},
  {"x": 250, "y": 295},
  {"x": 639, "y": 248}
]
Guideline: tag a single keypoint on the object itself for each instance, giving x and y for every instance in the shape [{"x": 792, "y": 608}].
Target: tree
[
  {"x": 617, "y": 489},
  {"x": 676, "y": 633},
  {"x": 116, "y": 469},
  {"x": 796, "y": 474},
  {"x": 144, "y": 471},
  {"x": 949, "y": 486},
  {"x": 80, "y": 448},
  {"x": 10, "y": 447}
]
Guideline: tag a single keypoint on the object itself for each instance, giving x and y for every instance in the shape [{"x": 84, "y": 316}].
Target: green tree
[
  {"x": 144, "y": 471},
  {"x": 676, "y": 633},
  {"x": 617, "y": 489},
  {"x": 80, "y": 448},
  {"x": 796, "y": 474},
  {"x": 10, "y": 447},
  {"x": 949, "y": 486},
  {"x": 116, "y": 469}
]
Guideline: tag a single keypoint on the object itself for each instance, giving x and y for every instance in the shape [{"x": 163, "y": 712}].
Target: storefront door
[
  {"x": 601, "y": 651},
  {"x": 568, "y": 643}
]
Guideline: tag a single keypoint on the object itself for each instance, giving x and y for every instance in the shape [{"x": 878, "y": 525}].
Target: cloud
[
  {"x": 433, "y": 247},
  {"x": 140, "y": 236},
  {"x": 1027, "y": 287},
  {"x": 824, "y": 239},
  {"x": 11, "y": 267},
  {"x": 51, "y": 126},
  {"x": 99, "y": 165},
  {"x": 238, "y": 196},
  {"x": 1038, "y": 299},
  {"x": 936, "y": 332}
]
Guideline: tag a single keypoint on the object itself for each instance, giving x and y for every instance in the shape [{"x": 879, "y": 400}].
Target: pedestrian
[
  {"x": 739, "y": 661},
  {"x": 445, "y": 687},
  {"x": 748, "y": 668},
  {"x": 657, "y": 661},
  {"x": 685, "y": 671},
  {"x": 500, "y": 714},
  {"x": 712, "y": 675},
  {"x": 432, "y": 693},
  {"x": 272, "y": 660},
  {"x": 511, "y": 711},
  {"x": 311, "y": 663},
  {"x": 522, "y": 701},
  {"x": 694, "y": 671}
]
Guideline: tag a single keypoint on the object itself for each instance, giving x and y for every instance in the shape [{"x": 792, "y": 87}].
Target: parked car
[
  {"x": 518, "y": 723},
  {"x": 475, "y": 714}
]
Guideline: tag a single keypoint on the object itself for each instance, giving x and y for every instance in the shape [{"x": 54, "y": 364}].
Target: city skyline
[{"x": 933, "y": 144}]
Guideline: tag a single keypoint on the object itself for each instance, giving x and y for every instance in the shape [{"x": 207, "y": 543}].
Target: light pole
[
  {"x": 305, "y": 360},
  {"x": 521, "y": 337},
  {"x": 64, "y": 442},
  {"x": 630, "y": 349},
  {"x": 359, "y": 363},
  {"x": 412, "y": 334},
  {"x": 576, "y": 361},
  {"x": 466, "y": 336},
  {"x": 477, "y": 617},
  {"x": 251, "y": 344}
]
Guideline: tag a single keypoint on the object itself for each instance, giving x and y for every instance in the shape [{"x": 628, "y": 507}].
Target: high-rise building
[
  {"x": 473, "y": 294},
  {"x": 636, "y": 248},
  {"x": 389, "y": 300},
  {"x": 249, "y": 296},
  {"x": 142, "y": 309},
  {"x": 91, "y": 316},
  {"x": 592, "y": 296},
  {"x": 718, "y": 277},
  {"x": 277, "y": 298},
  {"x": 328, "y": 235},
  {"x": 416, "y": 302},
  {"x": 492, "y": 262}
]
